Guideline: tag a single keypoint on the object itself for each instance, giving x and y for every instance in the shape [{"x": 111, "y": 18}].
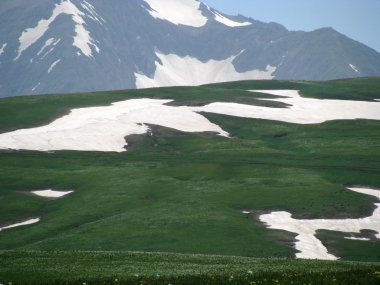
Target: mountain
[{"x": 56, "y": 46}]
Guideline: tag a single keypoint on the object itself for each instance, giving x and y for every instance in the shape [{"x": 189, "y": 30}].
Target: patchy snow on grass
[
  {"x": 301, "y": 111},
  {"x": 105, "y": 128},
  {"x": 28, "y": 222},
  {"x": 188, "y": 71},
  {"x": 2, "y": 48},
  {"x": 51, "y": 193},
  {"x": 82, "y": 39},
  {"x": 53, "y": 65},
  {"x": 308, "y": 245},
  {"x": 178, "y": 12},
  {"x": 354, "y": 68}
]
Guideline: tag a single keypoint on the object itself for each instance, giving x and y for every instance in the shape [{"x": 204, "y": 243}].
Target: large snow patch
[
  {"x": 174, "y": 70},
  {"x": 301, "y": 110},
  {"x": 308, "y": 245},
  {"x": 105, "y": 128}
]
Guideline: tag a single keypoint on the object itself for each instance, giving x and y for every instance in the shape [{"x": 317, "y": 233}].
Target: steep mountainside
[{"x": 53, "y": 46}]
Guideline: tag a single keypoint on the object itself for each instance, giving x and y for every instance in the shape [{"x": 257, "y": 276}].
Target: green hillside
[
  {"x": 184, "y": 193},
  {"x": 127, "y": 268}
]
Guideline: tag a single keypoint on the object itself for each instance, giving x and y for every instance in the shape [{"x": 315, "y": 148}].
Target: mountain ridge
[{"x": 81, "y": 46}]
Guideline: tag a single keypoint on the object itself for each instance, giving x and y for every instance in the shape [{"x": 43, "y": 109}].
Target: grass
[
  {"x": 352, "y": 249},
  {"x": 162, "y": 268},
  {"x": 183, "y": 193}
]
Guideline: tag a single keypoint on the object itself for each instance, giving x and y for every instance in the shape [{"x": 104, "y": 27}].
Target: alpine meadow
[
  {"x": 156, "y": 142},
  {"x": 188, "y": 193}
]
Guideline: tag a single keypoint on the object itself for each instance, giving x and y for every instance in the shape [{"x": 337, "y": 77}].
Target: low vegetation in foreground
[{"x": 19, "y": 268}]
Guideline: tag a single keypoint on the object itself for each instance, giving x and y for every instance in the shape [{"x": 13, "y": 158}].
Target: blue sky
[{"x": 358, "y": 19}]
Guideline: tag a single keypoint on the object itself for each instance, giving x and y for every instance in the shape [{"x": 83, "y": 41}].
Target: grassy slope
[
  {"x": 143, "y": 268},
  {"x": 177, "y": 192}
]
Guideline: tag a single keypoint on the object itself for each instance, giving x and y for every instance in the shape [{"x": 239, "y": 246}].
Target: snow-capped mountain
[{"x": 54, "y": 46}]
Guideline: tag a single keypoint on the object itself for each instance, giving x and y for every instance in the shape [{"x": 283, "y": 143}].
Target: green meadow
[
  {"x": 127, "y": 268},
  {"x": 183, "y": 193}
]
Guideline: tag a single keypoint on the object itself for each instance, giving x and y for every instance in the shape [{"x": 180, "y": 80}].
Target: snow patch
[
  {"x": 354, "y": 68},
  {"x": 185, "y": 71},
  {"x": 2, "y": 48},
  {"x": 51, "y": 193},
  {"x": 53, "y": 65},
  {"x": 47, "y": 52},
  {"x": 356, "y": 238},
  {"x": 366, "y": 191},
  {"x": 36, "y": 86},
  {"x": 105, "y": 128},
  {"x": 306, "y": 243},
  {"x": 224, "y": 20},
  {"x": 28, "y": 222},
  {"x": 301, "y": 110},
  {"x": 183, "y": 12},
  {"x": 51, "y": 49},
  {"x": 82, "y": 39},
  {"x": 93, "y": 14},
  {"x": 47, "y": 44},
  {"x": 228, "y": 22}
]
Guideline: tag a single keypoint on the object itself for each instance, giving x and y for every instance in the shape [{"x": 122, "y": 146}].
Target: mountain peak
[
  {"x": 183, "y": 12},
  {"x": 81, "y": 45},
  {"x": 82, "y": 39},
  {"x": 188, "y": 13}
]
